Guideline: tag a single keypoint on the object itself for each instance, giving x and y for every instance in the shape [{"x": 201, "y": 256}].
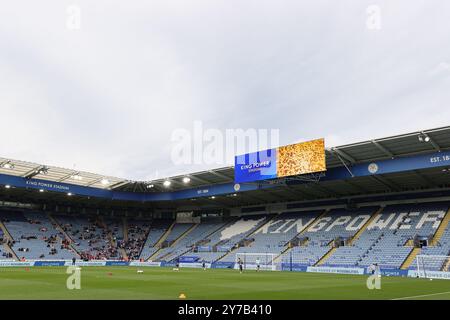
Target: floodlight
[
  {"x": 8, "y": 165},
  {"x": 186, "y": 179}
]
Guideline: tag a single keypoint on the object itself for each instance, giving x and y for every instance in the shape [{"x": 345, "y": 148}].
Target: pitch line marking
[{"x": 421, "y": 296}]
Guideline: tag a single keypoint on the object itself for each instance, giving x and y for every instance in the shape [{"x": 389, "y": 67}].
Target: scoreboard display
[{"x": 291, "y": 160}]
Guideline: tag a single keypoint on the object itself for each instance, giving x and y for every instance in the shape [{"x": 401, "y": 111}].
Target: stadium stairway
[
  {"x": 364, "y": 227},
  {"x": 248, "y": 235},
  {"x": 113, "y": 242},
  {"x": 410, "y": 258},
  {"x": 58, "y": 227},
  {"x": 5, "y": 231},
  {"x": 288, "y": 247},
  {"x": 165, "y": 235},
  {"x": 184, "y": 234},
  {"x": 441, "y": 229},
  {"x": 10, "y": 250},
  {"x": 8, "y": 237},
  {"x": 222, "y": 227},
  {"x": 125, "y": 229},
  {"x": 325, "y": 256},
  {"x": 160, "y": 241}
]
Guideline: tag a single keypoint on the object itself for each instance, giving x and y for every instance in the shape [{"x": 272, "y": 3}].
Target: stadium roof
[
  {"x": 55, "y": 174},
  {"x": 415, "y": 143},
  {"x": 366, "y": 151}
]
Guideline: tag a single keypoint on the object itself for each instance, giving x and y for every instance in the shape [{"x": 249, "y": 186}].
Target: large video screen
[{"x": 291, "y": 160}]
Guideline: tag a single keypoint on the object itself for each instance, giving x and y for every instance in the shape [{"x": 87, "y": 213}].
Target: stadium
[
  {"x": 220, "y": 158},
  {"x": 383, "y": 203}
]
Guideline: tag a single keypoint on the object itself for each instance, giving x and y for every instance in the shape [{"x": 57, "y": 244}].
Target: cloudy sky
[{"x": 104, "y": 93}]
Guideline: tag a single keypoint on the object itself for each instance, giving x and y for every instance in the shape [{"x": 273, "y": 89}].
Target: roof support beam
[
  {"x": 67, "y": 176},
  {"x": 94, "y": 182},
  {"x": 344, "y": 155},
  {"x": 383, "y": 149},
  {"x": 433, "y": 143},
  {"x": 2, "y": 163},
  {"x": 341, "y": 155},
  {"x": 194, "y": 177},
  {"x": 222, "y": 176},
  {"x": 33, "y": 172},
  {"x": 119, "y": 184}
]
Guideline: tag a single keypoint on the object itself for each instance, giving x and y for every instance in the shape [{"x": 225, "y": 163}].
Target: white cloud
[{"x": 107, "y": 97}]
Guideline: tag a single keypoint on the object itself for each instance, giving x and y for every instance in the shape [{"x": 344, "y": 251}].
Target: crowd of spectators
[
  {"x": 95, "y": 237},
  {"x": 137, "y": 235}
]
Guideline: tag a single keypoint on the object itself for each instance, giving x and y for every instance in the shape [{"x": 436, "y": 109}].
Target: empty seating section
[
  {"x": 275, "y": 235},
  {"x": 336, "y": 224},
  {"x": 442, "y": 248},
  {"x": 387, "y": 236},
  {"x": 157, "y": 229},
  {"x": 35, "y": 237},
  {"x": 177, "y": 230},
  {"x": 346, "y": 255},
  {"x": 186, "y": 244},
  {"x": 301, "y": 237},
  {"x": 222, "y": 241}
]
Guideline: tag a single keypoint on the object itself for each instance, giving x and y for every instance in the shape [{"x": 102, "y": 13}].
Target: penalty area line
[{"x": 422, "y": 296}]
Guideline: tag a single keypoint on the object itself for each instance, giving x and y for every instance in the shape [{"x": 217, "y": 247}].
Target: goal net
[
  {"x": 266, "y": 261},
  {"x": 433, "y": 267}
]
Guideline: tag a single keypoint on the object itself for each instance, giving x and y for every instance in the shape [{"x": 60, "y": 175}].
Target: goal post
[
  {"x": 433, "y": 267},
  {"x": 250, "y": 260}
]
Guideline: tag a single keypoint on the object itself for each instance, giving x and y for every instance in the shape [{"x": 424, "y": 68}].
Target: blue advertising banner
[
  {"x": 189, "y": 259},
  {"x": 255, "y": 166},
  {"x": 59, "y": 263}
]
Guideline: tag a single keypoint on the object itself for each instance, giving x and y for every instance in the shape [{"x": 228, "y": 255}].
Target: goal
[
  {"x": 433, "y": 267},
  {"x": 266, "y": 260}
]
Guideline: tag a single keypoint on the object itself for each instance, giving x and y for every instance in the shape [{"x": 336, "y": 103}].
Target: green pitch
[{"x": 164, "y": 283}]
